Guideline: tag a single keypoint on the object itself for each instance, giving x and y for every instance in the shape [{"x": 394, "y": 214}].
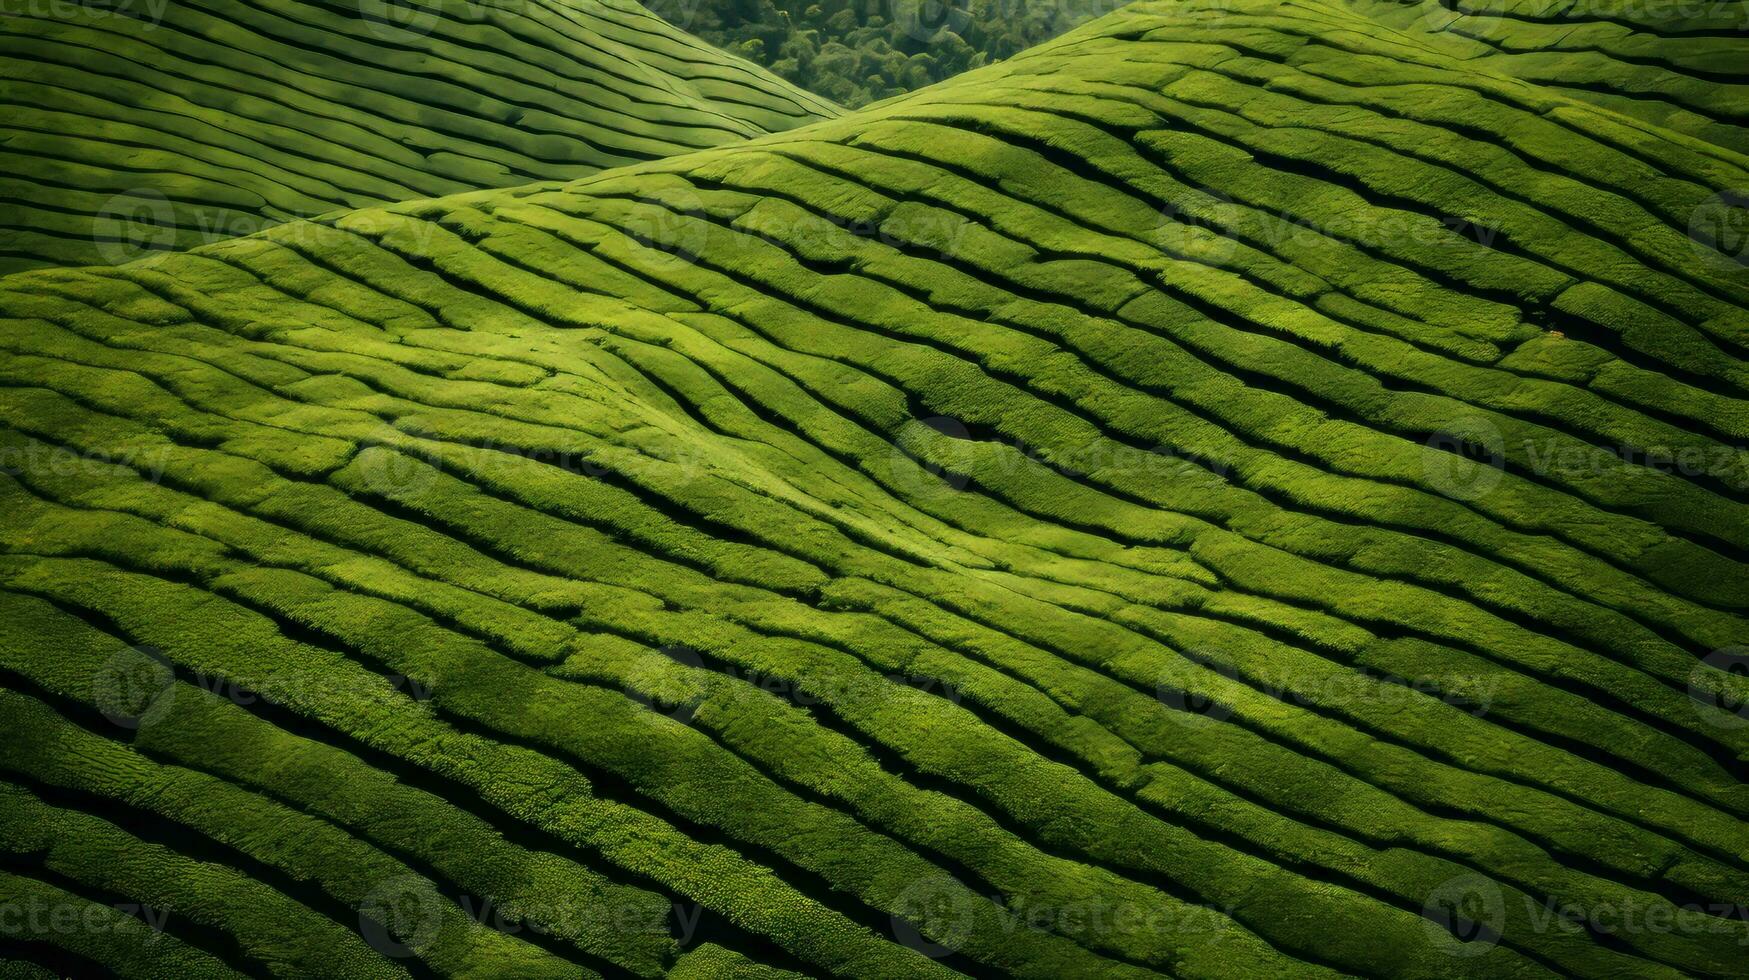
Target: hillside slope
[
  {"x": 1678, "y": 63},
  {"x": 1260, "y": 495},
  {"x": 141, "y": 126}
]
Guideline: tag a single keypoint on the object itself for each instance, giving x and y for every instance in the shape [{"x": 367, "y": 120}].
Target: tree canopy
[{"x": 860, "y": 51}]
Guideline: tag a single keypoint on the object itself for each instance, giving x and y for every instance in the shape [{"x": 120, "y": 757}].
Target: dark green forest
[{"x": 859, "y": 51}]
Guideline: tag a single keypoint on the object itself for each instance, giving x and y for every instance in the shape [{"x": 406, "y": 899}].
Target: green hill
[
  {"x": 149, "y": 124},
  {"x": 1677, "y": 63},
  {"x": 1244, "y": 491}
]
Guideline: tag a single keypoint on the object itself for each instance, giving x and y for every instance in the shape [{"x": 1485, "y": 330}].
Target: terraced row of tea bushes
[
  {"x": 1152, "y": 507},
  {"x": 1676, "y": 65},
  {"x": 138, "y": 127}
]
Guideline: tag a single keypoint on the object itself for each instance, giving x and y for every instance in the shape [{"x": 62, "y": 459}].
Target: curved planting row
[
  {"x": 142, "y": 126},
  {"x": 1159, "y": 506}
]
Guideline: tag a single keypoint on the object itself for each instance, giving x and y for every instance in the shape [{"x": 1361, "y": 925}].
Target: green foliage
[
  {"x": 161, "y": 126},
  {"x": 1233, "y": 493},
  {"x": 859, "y": 51}
]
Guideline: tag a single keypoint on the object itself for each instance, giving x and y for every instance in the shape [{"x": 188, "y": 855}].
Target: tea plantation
[
  {"x": 175, "y": 123},
  {"x": 1244, "y": 489}
]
